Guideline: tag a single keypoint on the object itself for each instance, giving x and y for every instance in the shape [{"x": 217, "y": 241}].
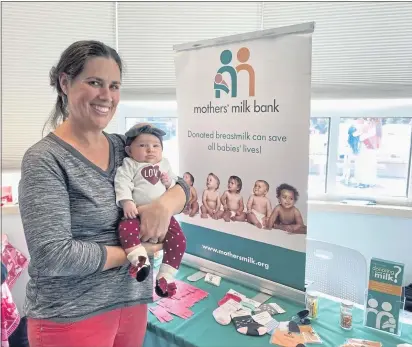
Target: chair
[{"x": 335, "y": 270}]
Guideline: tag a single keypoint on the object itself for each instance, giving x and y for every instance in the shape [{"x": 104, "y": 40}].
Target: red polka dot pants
[{"x": 174, "y": 244}]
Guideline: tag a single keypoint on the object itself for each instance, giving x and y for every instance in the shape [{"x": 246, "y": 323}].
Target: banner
[{"x": 243, "y": 130}]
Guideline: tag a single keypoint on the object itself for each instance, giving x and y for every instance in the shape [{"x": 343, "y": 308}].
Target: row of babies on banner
[{"x": 230, "y": 205}]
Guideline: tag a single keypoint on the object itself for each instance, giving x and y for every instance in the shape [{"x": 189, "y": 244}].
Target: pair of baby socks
[
  {"x": 140, "y": 260},
  {"x": 231, "y": 309},
  {"x": 223, "y": 313},
  {"x": 165, "y": 285},
  {"x": 247, "y": 326}
]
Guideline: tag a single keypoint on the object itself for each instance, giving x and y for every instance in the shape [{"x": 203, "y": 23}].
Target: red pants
[
  {"x": 174, "y": 244},
  {"x": 124, "y": 327}
]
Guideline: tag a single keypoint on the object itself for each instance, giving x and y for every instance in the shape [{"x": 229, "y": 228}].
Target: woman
[
  {"x": 367, "y": 164},
  {"x": 80, "y": 292}
]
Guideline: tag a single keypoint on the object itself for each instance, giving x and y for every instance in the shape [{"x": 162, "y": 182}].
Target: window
[
  {"x": 318, "y": 154},
  {"x": 373, "y": 155},
  {"x": 359, "y": 149}
]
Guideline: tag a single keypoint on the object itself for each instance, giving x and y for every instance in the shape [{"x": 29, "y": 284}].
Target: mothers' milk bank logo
[{"x": 226, "y": 79}]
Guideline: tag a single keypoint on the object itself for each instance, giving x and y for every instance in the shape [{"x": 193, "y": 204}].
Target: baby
[
  {"x": 258, "y": 205},
  {"x": 210, "y": 198},
  {"x": 192, "y": 206},
  {"x": 143, "y": 177},
  {"x": 232, "y": 201},
  {"x": 286, "y": 216}
]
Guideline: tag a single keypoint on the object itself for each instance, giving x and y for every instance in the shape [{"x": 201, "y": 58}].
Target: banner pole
[{"x": 304, "y": 28}]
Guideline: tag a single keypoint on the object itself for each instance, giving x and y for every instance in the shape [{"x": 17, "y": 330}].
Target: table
[{"x": 201, "y": 330}]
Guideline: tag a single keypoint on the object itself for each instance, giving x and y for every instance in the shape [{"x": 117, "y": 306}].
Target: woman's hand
[{"x": 154, "y": 220}]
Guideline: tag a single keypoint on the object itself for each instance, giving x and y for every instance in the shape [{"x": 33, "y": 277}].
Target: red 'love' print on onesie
[{"x": 151, "y": 174}]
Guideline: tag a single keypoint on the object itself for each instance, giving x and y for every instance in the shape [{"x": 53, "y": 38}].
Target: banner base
[{"x": 243, "y": 278}]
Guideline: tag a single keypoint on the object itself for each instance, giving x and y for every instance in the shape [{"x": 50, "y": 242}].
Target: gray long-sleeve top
[{"x": 69, "y": 213}]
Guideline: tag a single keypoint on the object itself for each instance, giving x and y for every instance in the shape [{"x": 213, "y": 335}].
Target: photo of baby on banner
[
  {"x": 230, "y": 206},
  {"x": 260, "y": 212}
]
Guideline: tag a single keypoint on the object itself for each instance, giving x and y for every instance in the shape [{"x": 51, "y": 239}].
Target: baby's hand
[
  {"x": 130, "y": 209},
  {"x": 165, "y": 179}
]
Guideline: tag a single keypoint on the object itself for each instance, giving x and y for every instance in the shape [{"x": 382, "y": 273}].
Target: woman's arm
[
  {"x": 116, "y": 256},
  {"x": 176, "y": 198},
  {"x": 155, "y": 217},
  {"x": 45, "y": 213}
]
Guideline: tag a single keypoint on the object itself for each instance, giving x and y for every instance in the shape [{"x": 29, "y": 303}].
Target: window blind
[
  {"x": 147, "y": 32},
  {"x": 34, "y": 34},
  {"x": 360, "y": 49}
]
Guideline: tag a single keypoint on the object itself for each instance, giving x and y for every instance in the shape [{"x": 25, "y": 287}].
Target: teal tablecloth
[{"x": 201, "y": 330}]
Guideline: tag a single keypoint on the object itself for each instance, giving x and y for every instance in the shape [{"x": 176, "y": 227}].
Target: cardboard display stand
[{"x": 384, "y": 300}]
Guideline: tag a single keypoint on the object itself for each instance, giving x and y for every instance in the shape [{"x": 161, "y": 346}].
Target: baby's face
[
  {"x": 211, "y": 182},
  {"x": 232, "y": 186},
  {"x": 287, "y": 198},
  {"x": 187, "y": 179},
  {"x": 146, "y": 148},
  {"x": 259, "y": 189}
]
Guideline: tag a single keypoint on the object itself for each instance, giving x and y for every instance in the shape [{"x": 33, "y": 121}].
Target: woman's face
[{"x": 94, "y": 94}]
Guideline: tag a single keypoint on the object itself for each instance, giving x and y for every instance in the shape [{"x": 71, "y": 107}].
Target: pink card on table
[
  {"x": 165, "y": 302},
  {"x": 161, "y": 314},
  {"x": 193, "y": 298},
  {"x": 180, "y": 311},
  {"x": 186, "y": 296}
]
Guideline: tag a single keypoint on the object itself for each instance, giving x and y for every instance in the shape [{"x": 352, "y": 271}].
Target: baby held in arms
[
  {"x": 259, "y": 207},
  {"x": 285, "y": 216},
  {"x": 143, "y": 177},
  {"x": 232, "y": 201},
  {"x": 210, "y": 198}
]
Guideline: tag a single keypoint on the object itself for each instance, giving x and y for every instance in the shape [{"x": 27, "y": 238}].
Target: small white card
[
  {"x": 213, "y": 279},
  {"x": 262, "y": 318},
  {"x": 277, "y": 308}
]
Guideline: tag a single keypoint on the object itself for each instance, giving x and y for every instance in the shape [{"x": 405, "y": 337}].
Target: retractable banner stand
[{"x": 244, "y": 108}]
